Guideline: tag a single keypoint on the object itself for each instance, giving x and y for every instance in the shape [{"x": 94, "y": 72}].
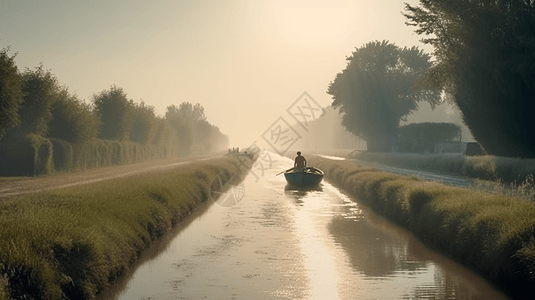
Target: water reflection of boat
[
  {"x": 306, "y": 177},
  {"x": 290, "y": 188},
  {"x": 301, "y": 192}
]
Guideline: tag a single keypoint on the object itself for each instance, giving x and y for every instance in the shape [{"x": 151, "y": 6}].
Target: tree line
[
  {"x": 34, "y": 102},
  {"x": 483, "y": 61}
]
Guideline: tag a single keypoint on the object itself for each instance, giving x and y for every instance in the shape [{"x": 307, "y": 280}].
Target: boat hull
[{"x": 304, "y": 178}]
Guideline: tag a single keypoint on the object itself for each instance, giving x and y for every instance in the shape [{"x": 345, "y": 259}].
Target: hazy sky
[{"x": 246, "y": 62}]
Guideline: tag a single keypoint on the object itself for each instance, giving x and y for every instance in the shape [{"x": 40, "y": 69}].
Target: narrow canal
[{"x": 278, "y": 243}]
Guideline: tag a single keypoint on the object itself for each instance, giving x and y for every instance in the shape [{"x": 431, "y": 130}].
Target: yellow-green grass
[
  {"x": 73, "y": 242},
  {"x": 492, "y": 234}
]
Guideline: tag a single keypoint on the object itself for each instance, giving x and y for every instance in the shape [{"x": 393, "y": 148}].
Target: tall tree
[
  {"x": 191, "y": 127},
  {"x": 179, "y": 118},
  {"x": 216, "y": 140},
  {"x": 485, "y": 58},
  {"x": 72, "y": 119},
  {"x": 114, "y": 110},
  {"x": 40, "y": 88},
  {"x": 189, "y": 112},
  {"x": 203, "y": 132},
  {"x": 163, "y": 134},
  {"x": 377, "y": 90},
  {"x": 144, "y": 123},
  {"x": 198, "y": 113},
  {"x": 10, "y": 92}
]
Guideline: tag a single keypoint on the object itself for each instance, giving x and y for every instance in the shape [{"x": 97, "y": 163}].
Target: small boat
[{"x": 306, "y": 177}]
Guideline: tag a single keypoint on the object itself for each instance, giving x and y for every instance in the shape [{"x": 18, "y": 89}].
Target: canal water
[{"x": 281, "y": 243}]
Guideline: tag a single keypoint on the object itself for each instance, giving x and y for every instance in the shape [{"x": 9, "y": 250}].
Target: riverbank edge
[
  {"x": 74, "y": 242},
  {"x": 485, "y": 167},
  {"x": 490, "y": 234}
]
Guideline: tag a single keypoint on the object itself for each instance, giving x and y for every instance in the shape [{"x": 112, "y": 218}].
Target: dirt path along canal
[{"x": 278, "y": 243}]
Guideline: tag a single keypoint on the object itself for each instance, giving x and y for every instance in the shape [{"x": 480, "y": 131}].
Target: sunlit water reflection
[{"x": 279, "y": 242}]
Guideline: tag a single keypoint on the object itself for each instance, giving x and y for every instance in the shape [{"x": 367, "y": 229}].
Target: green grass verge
[
  {"x": 505, "y": 169},
  {"x": 72, "y": 243},
  {"x": 492, "y": 234}
]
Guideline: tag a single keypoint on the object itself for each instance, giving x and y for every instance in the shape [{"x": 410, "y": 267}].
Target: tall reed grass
[
  {"x": 72, "y": 243},
  {"x": 492, "y": 234}
]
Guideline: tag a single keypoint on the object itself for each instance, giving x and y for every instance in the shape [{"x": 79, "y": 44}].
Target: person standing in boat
[{"x": 300, "y": 161}]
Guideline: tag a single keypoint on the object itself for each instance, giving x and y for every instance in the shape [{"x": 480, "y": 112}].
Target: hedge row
[
  {"x": 33, "y": 155},
  {"x": 492, "y": 234},
  {"x": 505, "y": 169}
]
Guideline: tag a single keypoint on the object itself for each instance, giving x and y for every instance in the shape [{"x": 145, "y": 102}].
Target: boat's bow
[{"x": 308, "y": 176}]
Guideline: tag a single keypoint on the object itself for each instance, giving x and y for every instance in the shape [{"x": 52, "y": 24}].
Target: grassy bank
[
  {"x": 492, "y": 234},
  {"x": 504, "y": 169},
  {"x": 72, "y": 243}
]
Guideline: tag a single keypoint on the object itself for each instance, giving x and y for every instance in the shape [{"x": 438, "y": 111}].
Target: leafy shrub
[
  {"x": 28, "y": 155},
  {"x": 63, "y": 155},
  {"x": 16, "y": 157}
]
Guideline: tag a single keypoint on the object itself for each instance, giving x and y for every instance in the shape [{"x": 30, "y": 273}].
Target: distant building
[
  {"x": 474, "y": 149},
  {"x": 450, "y": 147}
]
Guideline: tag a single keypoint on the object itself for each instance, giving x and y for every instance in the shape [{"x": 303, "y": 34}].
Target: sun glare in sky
[{"x": 244, "y": 61}]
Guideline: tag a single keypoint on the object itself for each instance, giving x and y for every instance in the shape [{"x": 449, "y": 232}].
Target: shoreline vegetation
[
  {"x": 492, "y": 234},
  {"x": 492, "y": 174},
  {"x": 486, "y": 167},
  {"x": 72, "y": 243}
]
